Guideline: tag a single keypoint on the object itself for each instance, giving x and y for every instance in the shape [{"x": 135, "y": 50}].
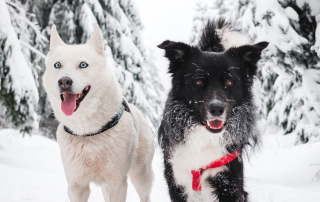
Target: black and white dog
[{"x": 209, "y": 117}]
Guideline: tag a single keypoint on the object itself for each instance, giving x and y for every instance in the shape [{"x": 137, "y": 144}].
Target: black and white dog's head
[
  {"x": 216, "y": 86},
  {"x": 212, "y": 84}
]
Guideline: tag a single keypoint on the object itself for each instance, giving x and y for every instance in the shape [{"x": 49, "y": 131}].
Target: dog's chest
[
  {"x": 200, "y": 149},
  {"x": 94, "y": 156},
  {"x": 86, "y": 152}
]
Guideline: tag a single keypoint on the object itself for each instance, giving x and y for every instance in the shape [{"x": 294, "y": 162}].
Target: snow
[
  {"x": 280, "y": 162},
  {"x": 283, "y": 172},
  {"x": 274, "y": 34},
  {"x": 315, "y": 11},
  {"x": 292, "y": 14},
  {"x": 311, "y": 86},
  {"x": 31, "y": 170},
  {"x": 316, "y": 46},
  {"x": 21, "y": 74},
  {"x": 87, "y": 21},
  {"x": 165, "y": 20},
  {"x": 97, "y": 8},
  {"x": 314, "y": 5},
  {"x": 23, "y": 83}
]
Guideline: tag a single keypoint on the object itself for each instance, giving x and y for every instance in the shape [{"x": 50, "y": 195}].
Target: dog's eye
[
  {"x": 228, "y": 83},
  {"x": 198, "y": 82},
  {"x": 57, "y": 65},
  {"x": 83, "y": 65}
]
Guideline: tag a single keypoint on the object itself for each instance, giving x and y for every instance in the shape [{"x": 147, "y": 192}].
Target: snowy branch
[{"x": 33, "y": 49}]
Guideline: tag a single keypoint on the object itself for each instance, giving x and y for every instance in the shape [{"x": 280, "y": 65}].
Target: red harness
[{"x": 196, "y": 174}]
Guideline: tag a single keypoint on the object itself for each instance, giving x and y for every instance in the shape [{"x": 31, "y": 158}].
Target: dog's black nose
[
  {"x": 216, "y": 109},
  {"x": 65, "y": 82}
]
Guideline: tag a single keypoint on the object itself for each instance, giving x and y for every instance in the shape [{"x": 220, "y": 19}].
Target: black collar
[{"x": 107, "y": 126}]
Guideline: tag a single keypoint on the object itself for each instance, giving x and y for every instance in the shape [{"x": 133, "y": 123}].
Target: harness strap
[{"x": 196, "y": 174}]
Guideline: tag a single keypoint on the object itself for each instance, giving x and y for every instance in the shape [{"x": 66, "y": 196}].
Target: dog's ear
[
  {"x": 96, "y": 39},
  {"x": 55, "y": 40},
  {"x": 175, "y": 51},
  {"x": 249, "y": 53}
]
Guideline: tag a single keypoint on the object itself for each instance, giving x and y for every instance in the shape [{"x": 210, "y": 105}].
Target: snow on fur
[{"x": 285, "y": 88}]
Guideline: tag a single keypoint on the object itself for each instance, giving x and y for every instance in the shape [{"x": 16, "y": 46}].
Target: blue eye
[
  {"x": 57, "y": 65},
  {"x": 83, "y": 65}
]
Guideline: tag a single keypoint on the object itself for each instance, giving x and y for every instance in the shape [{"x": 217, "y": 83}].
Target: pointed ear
[
  {"x": 55, "y": 40},
  {"x": 251, "y": 53},
  {"x": 96, "y": 40},
  {"x": 175, "y": 51}
]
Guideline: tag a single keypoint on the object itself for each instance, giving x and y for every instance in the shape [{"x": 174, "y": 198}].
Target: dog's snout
[
  {"x": 65, "y": 82},
  {"x": 216, "y": 109}
]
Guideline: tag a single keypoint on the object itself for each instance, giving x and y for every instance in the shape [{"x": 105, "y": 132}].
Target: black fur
[
  {"x": 210, "y": 40},
  {"x": 188, "y": 104},
  {"x": 229, "y": 184}
]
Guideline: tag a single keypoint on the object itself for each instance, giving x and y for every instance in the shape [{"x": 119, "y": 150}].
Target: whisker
[{"x": 195, "y": 65}]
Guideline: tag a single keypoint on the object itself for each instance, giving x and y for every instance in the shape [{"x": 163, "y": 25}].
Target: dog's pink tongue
[
  {"x": 216, "y": 124},
  {"x": 69, "y": 104}
]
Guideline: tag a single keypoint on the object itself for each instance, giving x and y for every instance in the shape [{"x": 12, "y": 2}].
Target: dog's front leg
[
  {"x": 176, "y": 192},
  {"x": 229, "y": 185},
  {"x": 106, "y": 191},
  {"x": 227, "y": 189},
  {"x": 120, "y": 192},
  {"x": 115, "y": 192},
  {"x": 78, "y": 193}
]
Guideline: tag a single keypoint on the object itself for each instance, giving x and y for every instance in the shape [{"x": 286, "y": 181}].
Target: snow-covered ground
[{"x": 31, "y": 170}]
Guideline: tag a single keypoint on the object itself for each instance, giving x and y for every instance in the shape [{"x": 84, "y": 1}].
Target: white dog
[{"x": 101, "y": 138}]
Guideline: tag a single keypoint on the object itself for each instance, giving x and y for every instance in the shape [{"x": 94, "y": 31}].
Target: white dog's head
[{"x": 75, "y": 76}]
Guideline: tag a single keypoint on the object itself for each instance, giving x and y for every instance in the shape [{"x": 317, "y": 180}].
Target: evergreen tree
[
  {"x": 18, "y": 90},
  {"x": 287, "y": 86},
  {"x": 121, "y": 27}
]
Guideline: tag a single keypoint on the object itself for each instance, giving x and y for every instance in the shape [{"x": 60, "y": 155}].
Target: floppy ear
[
  {"x": 175, "y": 51},
  {"x": 96, "y": 39},
  {"x": 251, "y": 53},
  {"x": 55, "y": 40}
]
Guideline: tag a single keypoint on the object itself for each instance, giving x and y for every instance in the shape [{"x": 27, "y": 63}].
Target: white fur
[
  {"x": 105, "y": 159},
  {"x": 232, "y": 38},
  {"x": 200, "y": 149},
  {"x": 55, "y": 40}
]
